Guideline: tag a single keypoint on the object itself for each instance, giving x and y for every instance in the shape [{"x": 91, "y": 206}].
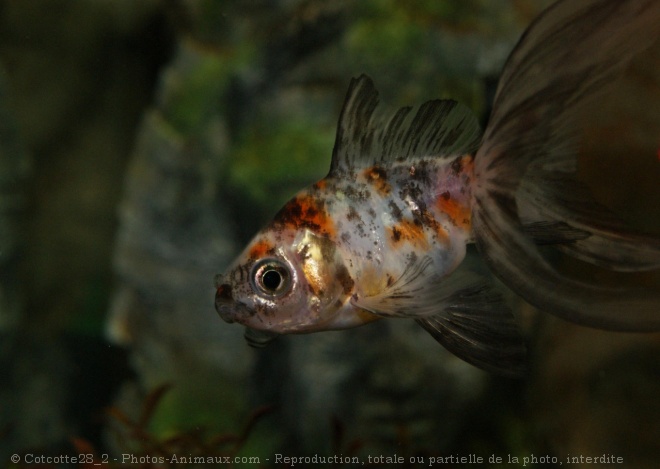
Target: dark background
[{"x": 142, "y": 143}]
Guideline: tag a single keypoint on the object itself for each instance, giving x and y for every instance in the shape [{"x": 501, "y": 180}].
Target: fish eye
[{"x": 271, "y": 277}]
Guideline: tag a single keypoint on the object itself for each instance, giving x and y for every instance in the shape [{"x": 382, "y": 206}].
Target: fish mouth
[{"x": 227, "y": 308}]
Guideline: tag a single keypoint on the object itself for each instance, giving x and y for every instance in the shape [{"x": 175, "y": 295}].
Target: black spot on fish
[
  {"x": 355, "y": 193},
  {"x": 422, "y": 172},
  {"x": 412, "y": 191},
  {"x": 344, "y": 279},
  {"x": 411, "y": 257},
  {"x": 311, "y": 212},
  {"x": 377, "y": 176},
  {"x": 446, "y": 195},
  {"x": 396, "y": 234},
  {"x": 266, "y": 310},
  {"x": 354, "y": 216},
  {"x": 457, "y": 165},
  {"x": 290, "y": 212},
  {"x": 345, "y": 237},
  {"x": 395, "y": 210}
]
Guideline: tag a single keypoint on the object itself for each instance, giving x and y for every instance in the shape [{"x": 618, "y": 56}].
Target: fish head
[{"x": 287, "y": 280}]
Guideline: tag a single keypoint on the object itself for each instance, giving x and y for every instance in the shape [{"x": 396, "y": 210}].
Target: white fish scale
[{"x": 387, "y": 222}]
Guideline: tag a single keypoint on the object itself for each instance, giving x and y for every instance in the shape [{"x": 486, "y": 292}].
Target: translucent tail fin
[{"x": 527, "y": 191}]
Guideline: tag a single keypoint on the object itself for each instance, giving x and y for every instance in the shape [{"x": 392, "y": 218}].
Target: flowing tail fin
[{"x": 527, "y": 191}]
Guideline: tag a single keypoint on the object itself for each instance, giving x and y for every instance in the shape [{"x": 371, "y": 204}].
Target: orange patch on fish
[
  {"x": 440, "y": 231},
  {"x": 467, "y": 165},
  {"x": 260, "y": 249},
  {"x": 459, "y": 214},
  {"x": 377, "y": 176},
  {"x": 372, "y": 281},
  {"x": 408, "y": 231},
  {"x": 306, "y": 211}
]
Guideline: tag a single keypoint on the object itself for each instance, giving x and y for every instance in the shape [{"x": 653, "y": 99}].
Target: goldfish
[{"x": 384, "y": 234}]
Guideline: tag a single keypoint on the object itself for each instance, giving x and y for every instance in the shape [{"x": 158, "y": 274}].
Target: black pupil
[{"x": 271, "y": 279}]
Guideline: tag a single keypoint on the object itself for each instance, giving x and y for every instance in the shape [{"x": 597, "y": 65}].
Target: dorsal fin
[{"x": 366, "y": 137}]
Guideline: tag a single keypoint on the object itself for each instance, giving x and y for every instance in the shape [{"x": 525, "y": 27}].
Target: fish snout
[{"x": 224, "y": 302}]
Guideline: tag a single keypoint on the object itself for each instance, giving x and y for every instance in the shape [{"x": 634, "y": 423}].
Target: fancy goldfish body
[{"x": 384, "y": 234}]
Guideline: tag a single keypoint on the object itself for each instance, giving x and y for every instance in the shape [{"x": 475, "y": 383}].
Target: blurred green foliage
[
  {"x": 414, "y": 51},
  {"x": 189, "y": 102},
  {"x": 273, "y": 161}
]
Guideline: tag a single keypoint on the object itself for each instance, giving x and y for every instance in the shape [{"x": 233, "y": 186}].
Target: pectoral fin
[
  {"x": 478, "y": 327},
  {"x": 461, "y": 311},
  {"x": 410, "y": 295}
]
